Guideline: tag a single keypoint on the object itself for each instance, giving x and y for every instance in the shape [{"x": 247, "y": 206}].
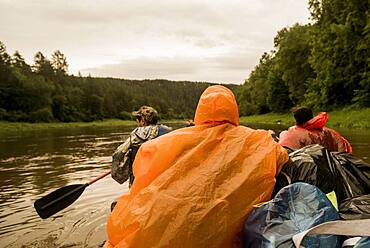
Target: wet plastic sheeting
[
  {"x": 294, "y": 209},
  {"x": 353, "y": 175},
  {"x": 363, "y": 243},
  {"x": 356, "y": 208},
  {"x": 310, "y": 165},
  {"x": 347, "y": 175}
]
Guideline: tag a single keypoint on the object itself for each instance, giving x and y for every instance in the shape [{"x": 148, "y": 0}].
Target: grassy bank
[
  {"x": 12, "y": 127},
  {"x": 343, "y": 118}
]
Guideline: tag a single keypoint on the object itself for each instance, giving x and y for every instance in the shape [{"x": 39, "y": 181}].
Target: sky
[{"x": 218, "y": 41}]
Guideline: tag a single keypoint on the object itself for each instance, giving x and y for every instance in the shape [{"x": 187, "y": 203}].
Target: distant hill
[
  {"x": 44, "y": 92},
  {"x": 119, "y": 97}
]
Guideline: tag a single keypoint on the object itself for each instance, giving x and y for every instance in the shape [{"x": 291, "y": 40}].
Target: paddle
[{"x": 61, "y": 198}]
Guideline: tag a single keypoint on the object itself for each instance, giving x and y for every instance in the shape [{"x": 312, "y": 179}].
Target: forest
[
  {"x": 44, "y": 92},
  {"x": 324, "y": 65}
]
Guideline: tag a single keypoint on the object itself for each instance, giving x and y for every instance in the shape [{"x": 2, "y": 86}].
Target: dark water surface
[{"x": 35, "y": 163}]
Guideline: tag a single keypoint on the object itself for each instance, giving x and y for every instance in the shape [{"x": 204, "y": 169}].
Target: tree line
[
  {"x": 324, "y": 64},
  {"x": 44, "y": 92}
]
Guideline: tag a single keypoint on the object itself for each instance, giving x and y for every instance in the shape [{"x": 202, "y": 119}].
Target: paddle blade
[{"x": 58, "y": 200}]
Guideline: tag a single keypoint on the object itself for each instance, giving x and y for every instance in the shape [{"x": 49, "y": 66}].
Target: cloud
[
  {"x": 187, "y": 38},
  {"x": 230, "y": 68}
]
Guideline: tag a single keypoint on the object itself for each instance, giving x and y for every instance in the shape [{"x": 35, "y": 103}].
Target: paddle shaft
[{"x": 99, "y": 177}]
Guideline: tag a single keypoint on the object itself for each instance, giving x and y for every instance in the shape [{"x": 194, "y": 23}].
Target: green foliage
[
  {"x": 41, "y": 115},
  {"x": 46, "y": 93},
  {"x": 346, "y": 118},
  {"x": 324, "y": 65},
  {"x": 339, "y": 55},
  {"x": 278, "y": 98},
  {"x": 43, "y": 66},
  {"x": 252, "y": 98},
  {"x": 3, "y": 114},
  {"x": 293, "y": 51},
  {"x": 350, "y": 118},
  {"x": 124, "y": 115},
  {"x": 9, "y": 127},
  {"x": 59, "y": 63},
  {"x": 16, "y": 116},
  {"x": 280, "y": 80},
  {"x": 18, "y": 62},
  {"x": 4, "y": 56},
  {"x": 4, "y": 65}
]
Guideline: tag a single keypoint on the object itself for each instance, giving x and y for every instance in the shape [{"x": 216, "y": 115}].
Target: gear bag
[
  {"x": 343, "y": 173},
  {"x": 295, "y": 208}
]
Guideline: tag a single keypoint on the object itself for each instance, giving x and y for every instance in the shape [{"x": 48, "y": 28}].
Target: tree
[
  {"x": 278, "y": 94},
  {"x": 340, "y": 52},
  {"x": 293, "y": 52},
  {"x": 4, "y": 56},
  {"x": 252, "y": 98},
  {"x": 18, "y": 61},
  {"x": 43, "y": 66},
  {"x": 280, "y": 79},
  {"x": 4, "y": 64},
  {"x": 5, "y": 77},
  {"x": 59, "y": 62}
]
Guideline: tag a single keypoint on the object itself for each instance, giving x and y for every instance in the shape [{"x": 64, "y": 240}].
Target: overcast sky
[{"x": 205, "y": 40}]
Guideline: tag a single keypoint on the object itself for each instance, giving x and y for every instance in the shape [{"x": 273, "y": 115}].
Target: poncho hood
[
  {"x": 318, "y": 122},
  {"x": 217, "y": 105}
]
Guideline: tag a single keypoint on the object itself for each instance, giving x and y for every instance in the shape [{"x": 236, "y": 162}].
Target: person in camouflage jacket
[{"x": 123, "y": 158}]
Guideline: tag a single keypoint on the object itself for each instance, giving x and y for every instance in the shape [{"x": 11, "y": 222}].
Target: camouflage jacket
[{"x": 124, "y": 155}]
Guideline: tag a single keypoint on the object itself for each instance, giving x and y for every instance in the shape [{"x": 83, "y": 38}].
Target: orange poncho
[{"x": 195, "y": 186}]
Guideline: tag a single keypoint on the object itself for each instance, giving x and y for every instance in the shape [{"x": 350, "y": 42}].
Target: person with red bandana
[{"x": 311, "y": 130}]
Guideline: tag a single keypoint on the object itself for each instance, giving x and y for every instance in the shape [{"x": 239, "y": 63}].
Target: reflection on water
[{"x": 35, "y": 163}]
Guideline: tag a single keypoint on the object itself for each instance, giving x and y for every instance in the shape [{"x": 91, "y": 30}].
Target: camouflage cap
[{"x": 149, "y": 114}]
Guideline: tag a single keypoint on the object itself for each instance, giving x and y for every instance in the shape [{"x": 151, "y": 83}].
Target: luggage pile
[{"x": 321, "y": 199}]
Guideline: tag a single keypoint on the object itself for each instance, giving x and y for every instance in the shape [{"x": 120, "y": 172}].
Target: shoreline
[
  {"x": 14, "y": 127},
  {"x": 351, "y": 119}
]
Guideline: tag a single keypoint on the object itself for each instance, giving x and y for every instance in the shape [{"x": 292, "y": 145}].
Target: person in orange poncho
[
  {"x": 311, "y": 130},
  {"x": 195, "y": 186}
]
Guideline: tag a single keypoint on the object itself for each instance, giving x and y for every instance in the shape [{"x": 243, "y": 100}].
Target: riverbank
[
  {"x": 358, "y": 119},
  {"x": 13, "y": 127}
]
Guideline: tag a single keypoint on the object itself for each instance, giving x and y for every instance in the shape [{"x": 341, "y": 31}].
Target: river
[{"x": 34, "y": 163}]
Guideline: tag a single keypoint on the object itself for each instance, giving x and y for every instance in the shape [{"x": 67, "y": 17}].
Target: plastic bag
[
  {"x": 294, "y": 209},
  {"x": 356, "y": 208},
  {"x": 353, "y": 175},
  {"x": 347, "y": 175},
  {"x": 311, "y": 164},
  {"x": 357, "y": 242},
  {"x": 363, "y": 243}
]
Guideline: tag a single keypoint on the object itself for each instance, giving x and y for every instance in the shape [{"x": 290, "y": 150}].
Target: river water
[{"x": 35, "y": 163}]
